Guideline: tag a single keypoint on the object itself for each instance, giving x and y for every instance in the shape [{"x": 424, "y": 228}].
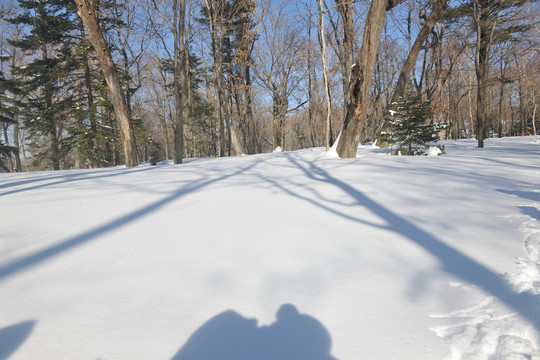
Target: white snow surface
[{"x": 289, "y": 255}]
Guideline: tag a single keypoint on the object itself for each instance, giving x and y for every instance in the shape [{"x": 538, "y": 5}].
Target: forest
[{"x": 88, "y": 84}]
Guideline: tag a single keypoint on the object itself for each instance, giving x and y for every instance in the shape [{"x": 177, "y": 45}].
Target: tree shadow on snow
[
  {"x": 64, "y": 178},
  {"x": 530, "y": 211},
  {"x": 452, "y": 261},
  {"x": 12, "y": 337},
  {"x": 528, "y": 195},
  {"x": 122, "y": 221},
  {"x": 229, "y": 336}
]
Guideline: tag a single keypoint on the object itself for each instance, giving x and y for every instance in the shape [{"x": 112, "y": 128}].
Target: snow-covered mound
[{"x": 293, "y": 255}]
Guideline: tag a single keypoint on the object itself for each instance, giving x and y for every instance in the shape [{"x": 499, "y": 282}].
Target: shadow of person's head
[{"x": 229, "y": 336}]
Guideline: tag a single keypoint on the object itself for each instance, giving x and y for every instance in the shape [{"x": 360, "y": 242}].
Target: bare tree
[{"x": 279, "y": 67}]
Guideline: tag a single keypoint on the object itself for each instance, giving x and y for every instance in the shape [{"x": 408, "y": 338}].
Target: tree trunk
[
  {"x": 250, "y": 121},
  {"x": 345, "y": 10},
  {"x": 328, "y": 138},
  {"x": 361, "y": 75},
  {"x": 54, "y": 156},
  {"x": 310, "y": 89},
  {"x": 499, "y": 120},
  {"x": 181, "y": 78},
  {"x": 534, "y": 113},
  {"x": 16, "y": 144},
  {"x": 399, "y": 90},
  {"x": 213, "y": 23},
  {"x": 480, "y": 14},
  {"x": 93, "y": 144},
  {"x": 279, "y": 111},
  {"x": 16, "y": 131},
  {"x": 87, "y": 11}
]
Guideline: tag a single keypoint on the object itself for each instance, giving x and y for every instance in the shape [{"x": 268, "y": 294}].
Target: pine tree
[
  {"x": 47, "y": 81},
  {"x": 409, "y": 127},
  {"x": 6, "y": 118}
]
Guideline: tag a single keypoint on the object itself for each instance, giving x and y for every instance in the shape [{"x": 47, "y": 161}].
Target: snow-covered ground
[{"x": 291, "y": 255}]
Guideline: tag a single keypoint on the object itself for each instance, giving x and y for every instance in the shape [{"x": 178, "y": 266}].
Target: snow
[
  {"x": 289, "y": 255},
  {"x": 434, "y": 151}
]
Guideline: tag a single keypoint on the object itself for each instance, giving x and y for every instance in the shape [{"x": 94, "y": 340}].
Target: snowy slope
[{"x": 289, "y": 255}]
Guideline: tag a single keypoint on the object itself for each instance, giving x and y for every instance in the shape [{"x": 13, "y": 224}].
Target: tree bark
[
  {"x": 480, "y": 15},
  {"x": 361, "y": 75},
  {"x": 16, "y": 131},
  {"x": 250, "y": 121},
  {"x": 213, "y": 8},
  {"x": 534, "y": 112},
  {"x": 345, "y": 10},
  {"x": 328, "y": 138},
  {"x": 180, "y": 78},
  {"x": 87, "y": 11},
  {"x": 278, "y": 113}
]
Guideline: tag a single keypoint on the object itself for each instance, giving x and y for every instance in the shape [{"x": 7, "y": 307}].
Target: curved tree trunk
[
  {"x": 399, "y": 90},
  {"x": 87, "y": 11},
  {"x": 361, "y": 74}
]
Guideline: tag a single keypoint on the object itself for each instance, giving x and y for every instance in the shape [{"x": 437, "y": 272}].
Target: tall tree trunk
[
  {"x": 16, "y": 131},
  {"x": 93, "y": 144},
  {"x": 181, "y": 78},
  {"x": 16, "y": 144},
  {"x": 310, "y": 89},
  {"x": 361, "y": 74},
  {"x": 534, "y": 112},
  {"x": 399, "y": 90},
  {"x": 277, "y": 123},
  {"x": 432, "y": 20},
  {"x": 213, "y": 23},
  {"x": 250, "y": 121},
  {"x": 87, "y": 11},
  {"x": 52, "y": 128},
  {"x": 499, "y": 120},
  {"x": 279, "y": 110},
  {"x": 480, "y": 14},
  {"x": 6, "y": 140},
  {"x": 345, "y": 10},
  {"x": 328, "y": 138}
]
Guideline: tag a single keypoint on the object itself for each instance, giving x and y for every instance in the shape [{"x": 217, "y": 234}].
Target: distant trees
[
  {"x": 279, "y": 67},
  {"x": 216, "y": 78}
]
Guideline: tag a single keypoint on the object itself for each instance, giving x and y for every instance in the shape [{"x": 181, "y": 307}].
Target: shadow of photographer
[{"x": 229, "y": 336}]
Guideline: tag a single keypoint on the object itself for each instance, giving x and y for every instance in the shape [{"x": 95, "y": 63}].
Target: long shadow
[
  {"x": 229, "y": 336},
  {"x": 65, "y": 245},
  {"x": 528, "y": 195},
  {"x": 12, "y": 337},
  {"x": 71, "y": 178},
  {"x": 530, "y": 211},
  {"x": 452, "y": 260}
]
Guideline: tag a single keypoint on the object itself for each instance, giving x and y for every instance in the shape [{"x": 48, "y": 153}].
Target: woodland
[{"x": 87, "y": 84}]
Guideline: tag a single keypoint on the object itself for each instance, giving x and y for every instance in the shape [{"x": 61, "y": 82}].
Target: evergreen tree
[
  {"x": 6, "y": 118},
  {"x": 48, "y": 77},
  {"x": 409, "y": 127}
]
